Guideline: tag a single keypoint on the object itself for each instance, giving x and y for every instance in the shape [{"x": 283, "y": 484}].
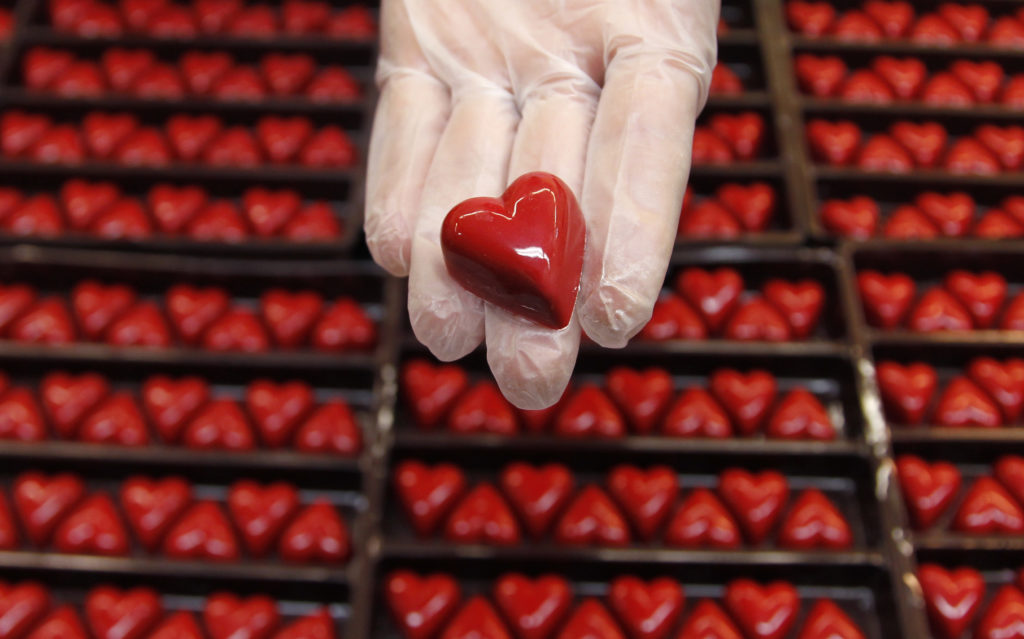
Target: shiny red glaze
[
  {"x": 834, "y": 143},
  {"x": 820, "y": 76},
  {"x": 318, "y": 625},
  {"x": 938, "y": 310},
  {"x": 987, "y": 508},
  {"x": 533, "y": 607},
  {"x": 122, "y": 614},
  {"x": 170, "y": 403},
  {"x": 756, "y": 500},
  {"x": 104, "y": 132},
  {"x": 800, "y": 415},
  {"x": 714, "y": 294},
  {"x": 952, "y": 213},
  {"x": 695, "y": 413},
  {"x": 84, "y": 201},
  {"x": 116, "y": 420},
  {"x": 191, "y": 310},
  {"x": 427, "y": 494},
  {"x": 592, "y": 519},
  {"x": 228, "y": 616},
  {"x": 537, "y": 494},
  {"x": 589, "y": 413},
  {"x": 482, "y": 517},
  {"x": 813, "y": 521},
  {"x": 421, "y": 605},
  {"x": 219, "y": 425},
  {"x": 21, "y": 419},
  {"x": 62, "y": 623},
  {"x": 702, "y": 521},
  {"x": 476, "y": 619},
  {"x": 180, "y": 625},
  {"x": 968, "y": 156},
  {"x": 643, "y": 397},
  {"x": 238, "y": 330},
  {"x": 276, "y": 410},
  {"x": 764, "y": 612},
  {"x": 317, "y": 534},
  {"x": 93, "y": 527},
  {"x": 290, "y": 316},
  {"x": 1001, "y": 383},
  {"x": 344, "y": 326},
  {"x": 190, "y": 136},
  {"x": 202, "y": 533},
  {"x": 261, "y": 512},
  {"x": 330, "y": 429},
  {"x": 142, "y": 325},
  {"x": 430, "y": 391},
  {"x": 648, "y": 610},
  {"x": 883, "y": 153},
  {"x": 645, "y": 495},
  {"x": 708, "y": 621},
  {"x": 886, "y": 298},
  {"x": 22, "y": 606},
  {"x": 672, "y": 318},
  {"x": 826, "y": 620},
  {"x": 906, "y": 391},
  {"x": 124, "y": 66},
  {"x": 856, "y": 218},
  {"x": 68, "y": 399},
  {"x": 1004, "y": 615},
  {"x": 47, "y": 322},
  {"x": 1007, "y": 143},
  {"x": 151, "y": 506},
  {"x": 951, "y": 597},
  {"x": 928, "y": 489},
  {"x": 746, "y": 397},
  {"x": 963, "y": 404}
]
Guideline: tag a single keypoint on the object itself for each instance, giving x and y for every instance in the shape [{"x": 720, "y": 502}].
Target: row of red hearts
[
  {"x": 953, "y": 599},
  {"x": 710, "y": 303},
  {"x": 642, "y": 508},
  {"x": 60, "y": 512},
  {"x": 990, "y": 394},
  {"x": 28, "y": 609},
  {"x": 733, "y": 209},
  {"x": 910, "y": 145},
  {"x": 638, "y": 402},
  {"x": 930, "y": 216},
  {"x": 729, "y": 137},
  {"x": 888, "y": 79},
  {"x": 539, "y": 608},
  {"x": 874, "y": 21},
  {"x": 192, "y": 317},
  {"x": 139, "y": 73},
  {"x": 964, "y": 301},
  {"x": 167, "y": 19},
  {"x": 202, "y": 139},
  {"x": 993, "y": 505},
  {"x": 100, "y": 209},
  {"x": 181, "y": 412}
]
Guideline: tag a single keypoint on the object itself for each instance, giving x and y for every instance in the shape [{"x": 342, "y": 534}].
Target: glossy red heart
[
  {"x": 427, "y": 494},
  {"x": 173, "y": 207},
  {"x": 702, "y": 521},
  {"x": 161, "y": 81},
  {"x": 715, "y": 294},
  {"x": 952, "y": 213},
  {"x": 672, "y": 318},
  {"x": 648, "y": 610},
  {"x": 589, "y": 413},
  {"x": 592, "y": 519},
  {"x": 826, "y": 620},
  {"x": 317, "y": 534},
  {"x": 757, "y": 319},
  {"x": 708, "y": 621},
  {"x": 886, "y": 299},
  {"x": 22, "y": 606},
  {"x": 261, "y": 512},
  {"x": 743, "y": 131},
  {"x": 173, "y": 21},
  {"x": 971, "y": 157},
  {"x": 537, "y": 494},
  {"x": 202, "y": 533},
  {"x": 482, "y": 409},
  {"x": 476, "y": 619},
  {"x": 15, "y": 299},
  {"x": 591, "y": 620},
  {"x": 241, "y": 83},
  {"x": 998, "y": 225},
  {"x": 287, "y": 74},
  {"x": 41, "y": 66},
  {"x": 951, "y": 597},
  {"x": 856, "y": 26},
  {"x": 62, "y": 623},
  {"x": 430, "y": 391},
  {"x": 753, "y": 204},
  {"x": 125, "y": 220},
  {"x": 145, "y": 146},
  {"x": 21, "y": 419},
  {"x": 538, "y": 421},
  {"x": 190, "y": 136},
  {"x": 1004, "y": 615},
  {"x": 856, "y": 218},
  {"x": 116, "y": 420},
  {"x": 813, "y": 521},
  {"x": 987, "y": 509},
  {"x": 124, "y": 66},
  {"x": 908, "y": 223},
  {"x": 41, "y": 502},
  {"x": 335, "y": 84},
  {"x": 1007, "y": 143},
  {"x": 329, "y": 147},
  {"x": 835, "y": 143},
  {"x": 756, "y": 500},
  {"x": 344, "y": 325},
  {"x": 180, "y": 625},
  {"x": 1007, "y": 31},
  {"x": 810, "y": 18},
  {"x": 928, "y": 489},
  {"x": 304, "y": 16},
  {"x": 946, "y": 90},
  {"x": 93, "y": 527},
  {"x": 318, "y": 625},
  {"x": 257, "y": 21},
  {"x": 421, "y": 605},
  {"x": 484, "y": 248},
  {"x": 646, "y": 496},
  {"x": 932, "y": 29},
  {"x": 925, "y": 142},
  {"x": 331, "y": 429},
  {"x": 800, "y": 415},
  {"x": 9, "y": 540},
  {"x": 938, "y": 310},
  {"x": 219, "y": 425},
  {"x": 746, "y": 397},
  {"x": 800, "y": 302},
  {"x": 235, "y": 146},
  {"x": 883, "y": 153},
  {"x": 47, "y": 322},
  {"x": 239, "y": 329},
  {"x": 277, "y": 409},
  {"x": 60, "y": 144},
  {"x": 122, "y": 614},
  {"x": 282, "y": 137},
  {"x": 228, "y": 616},
  {"x": 268, "y": 211},
  {"x": 141, "y": 325},
  {"x": 709, "y": 219},
  {"x": 151, "y": 506},
  {"x": 38, "y": 216},
  {"x": 202, "y": 69},
  {"x": 894, "y": 18},
  {"x": 906, "y": 391},
  {"x": 642, "y": 396},
  {"x": 695, "y": 413},
  {"x": 104, "y": 132},
  {"x": 905, "y": 76},
  {"x": 171, "y": 403},
  {"x": 316, "y": 222},
  {"x": 963, "y": 404},
  {"x": 482, "y": 517},
  {"x": 67, "y": 399},
  {"x": 533, "y": 608},
  {"x": 96, "y": 306},
  {"x": 1009, "y": 470},
  {"x": 83, "y": 201},
  {"x": 708, "y": 148},
  {"x": 763, "y": 612},
  {"x": 984, "y": 78},
  {"x": 971, "y": 21},
  {"x": 192, "y": 309},
  {"x": 20, "y": 130},
  {"x": 820, "y": 76},
  {"x": 864, "y": 85}
]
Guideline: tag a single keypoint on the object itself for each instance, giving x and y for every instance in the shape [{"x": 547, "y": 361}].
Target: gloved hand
[{"x": 474, "y": 93}]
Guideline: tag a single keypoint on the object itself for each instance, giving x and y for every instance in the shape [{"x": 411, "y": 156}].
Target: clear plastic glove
[{"x": 474, "y": 93}]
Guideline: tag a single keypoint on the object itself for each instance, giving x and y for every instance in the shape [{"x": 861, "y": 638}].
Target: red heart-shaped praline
[
  {"x": 1004, "y": 615},
  {"x": 318, "y": 533},
  {"x": 430, "y": 391},
  {"x": 171, "y": 403},
  {"x": 886, "y": 299},
  {"x": 820, "y": 76},
  {"x": 21, "y": 419},
  {"x": 180, "y": 625},
  {"x": 116, "y": 420},
  {"x": 427, "y": 494},
  {"x": 951, "y": 597},
  {"x": 421, "y": 605},
  {"x": 672, "y": 318},
  {"x": 482, "y": 517},
  {"x": 644, "y": 495},
  {"x": 835, "y": 143},
  {"x": 589, "y": 413},
  {"x": 648, "y": 610},
  {"x": 94, "y": 528},
  {"x": 695, "y": 413},
  {"x": 331, "y": 429},
  {"x": 708, "y": 621},
  {"x": 856, "y": 218},
  {"x": 715, "y": 294},
  {"x": 476, "y": 619},
  {"x": 746, "y": 397},
  {"x": 928, "y": 489},
  {"x": 219, "y": 425},
  {"x": 537, "y": 494},
  {"x": 642, "y": 396},
  {"x": 22, "y": 606},
  {"x": 151, "y": 506},
  {"x": 318, "y": 625},
  {"x": 523, "y": 251},
  {"x": 826, "y": 620},
  {"x": 277, "y": 409},
  {"x": 702, "y": 521},
  {"x": 800, "y": 415},
  {"x": 228, "y": 616},
  {"x": 813, "y": 521},
  {"x": 261, "y": 512},
  {"x": 756, "y": 500},
  {"x": 988, "y": 509},
  {"x": 122, "y": 614},
  {"x": 963, "y": 405},
  {"x": 764, "y": 612},
  {"x": 533, "y": 608},
  {"x": 905, "y": 76},
  {"x": 67, "y": 399},
  {"x": 592, "y": 519},
  {"x": 906, "y": 390},
  {"x": 62, "y": 623},
  {"x": 41, "y": 502},
  {"x": 202, "y": 533}
]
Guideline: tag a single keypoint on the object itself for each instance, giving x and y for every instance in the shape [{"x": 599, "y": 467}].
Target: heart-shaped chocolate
[
  {"x": 427, "y": 494},
  {"x": 814, "y": 522},
  {"x": 219, "y": 425},
  {"x": 756, "y": 500},
  {"x": 202, "y": 533},
  {"x": 695, "y": 413},
  {"x": 318, "y": 534},
  {"x": 826, "y": 620},
  {"x": 648, "y": 610},
  {"x": 708, "y": 621},
  {"x": 928, "y": 489},
  {"x": 93, "y": 527},
  {"x": 590, "y": 413},
  {"x": 170, "y": 403},
  {"x": 277, "y": 409},
  {"x": 261, "y": 512},
  {"x": 42, "y": 502},
  {"x": 951, "y": 597},
  {"x": 592, "y": 519},
  {"x": 702, "y": 521},
  {"x": 430, "y": 391},
  {"x": 644, "y": 495},
  {"x": 151, "y": 506},
  {"x": 987, "y": 508},
  {"x": 21, "y": 418},
  {"x": 421, "y": 605},
  {"x": 746, "y": 397},
  {"x": 534, "y": 608},
  {"x": 116, "y": 614},
  {"x": 800, "y": 415},
  {"x": 906, "y": 390},
  {"x": 964, "y": 405},
  {"x": 228, "y": 616},
  {"x": 537, "y": 494},
  {"x": 764, "y": 612},
  {"x": 642, "y": 396},
  {"x": 483, "y": 409},
  {"x": 482, "y": 517},
  {"x": 331, "y": 429}
]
